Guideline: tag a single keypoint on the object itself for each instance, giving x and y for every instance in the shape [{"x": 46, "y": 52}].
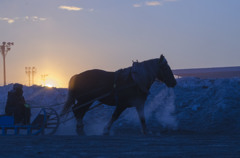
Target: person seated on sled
[{"x": 17, "y": 107}]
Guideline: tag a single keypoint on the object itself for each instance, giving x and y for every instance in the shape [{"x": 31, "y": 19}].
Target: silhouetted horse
[{"x": 124, "y": 88}]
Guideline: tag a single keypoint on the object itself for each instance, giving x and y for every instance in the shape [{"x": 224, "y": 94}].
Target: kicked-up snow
[{"x": 194, "y": 105}]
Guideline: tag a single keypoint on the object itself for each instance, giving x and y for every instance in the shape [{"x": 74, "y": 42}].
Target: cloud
[
  {"x": 33, "y": 18},
  {"x": 70, "y": 8},
  {"x": 10, "y": 21},
  {"x": 26, "y": 18},
  {"x": 91, "y": 10},
  {"x": 153, "y": 3},
  {"x": 137, "y": 5},
  {"x": 170, "y": 0},
  {"x": 42, "y": 19}
]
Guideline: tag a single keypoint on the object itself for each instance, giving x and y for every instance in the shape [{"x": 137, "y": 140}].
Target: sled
[{"x": 45, "y": 123}]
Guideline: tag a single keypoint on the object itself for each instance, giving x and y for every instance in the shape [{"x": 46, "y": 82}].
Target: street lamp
[{"x": 5, "y": 47}]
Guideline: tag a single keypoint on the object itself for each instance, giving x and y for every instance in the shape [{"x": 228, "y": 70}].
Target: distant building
[{"x": 220, "y": 72}]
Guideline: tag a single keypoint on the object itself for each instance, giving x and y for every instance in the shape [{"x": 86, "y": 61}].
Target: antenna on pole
[{"x": 4, "y": 48}]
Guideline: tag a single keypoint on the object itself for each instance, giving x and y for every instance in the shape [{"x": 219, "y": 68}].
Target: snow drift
[{"x": 194, "y": 105}]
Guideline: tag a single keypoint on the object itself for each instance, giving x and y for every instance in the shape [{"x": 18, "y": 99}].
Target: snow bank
[
  {"x": 208, "y": 105},
  {"x": 194, "y": 105}
]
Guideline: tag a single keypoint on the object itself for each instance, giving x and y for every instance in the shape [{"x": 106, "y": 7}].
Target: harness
[{"x": 123, "y": 75}]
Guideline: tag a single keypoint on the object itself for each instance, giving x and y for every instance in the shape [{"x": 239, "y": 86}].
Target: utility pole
[
  {"x": 44, "y": 78},
  {"x": 29, "y": 71},
  {"x": 33, "y": 73},
  {"x": 4, "y": 48}
]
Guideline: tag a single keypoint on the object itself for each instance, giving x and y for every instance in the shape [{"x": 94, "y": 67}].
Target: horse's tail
[{"x": 70, "y": 99}]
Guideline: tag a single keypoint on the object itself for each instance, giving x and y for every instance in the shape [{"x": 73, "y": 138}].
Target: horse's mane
[{"x": 144, "y": 73}]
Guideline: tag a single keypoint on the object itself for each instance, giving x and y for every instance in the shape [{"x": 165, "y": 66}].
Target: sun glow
[
  {"x": 51, "y": 77},
  {"x": 49, "y": 85},
  {"x": 52, "y": 82}
]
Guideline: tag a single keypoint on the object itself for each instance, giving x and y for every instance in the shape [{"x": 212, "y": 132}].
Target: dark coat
[{"x": 16, "y": 107}]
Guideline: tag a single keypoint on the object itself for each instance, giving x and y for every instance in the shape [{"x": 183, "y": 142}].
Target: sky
[{"x": 61, "y": 38}]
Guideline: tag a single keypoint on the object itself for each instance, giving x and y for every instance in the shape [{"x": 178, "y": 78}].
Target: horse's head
[{"x": 165, "y": 73}]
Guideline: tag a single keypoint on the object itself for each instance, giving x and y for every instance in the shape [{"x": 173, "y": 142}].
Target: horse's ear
[
  {"x": 161, "y": 58},
  {"x": 134, "y": 61}
]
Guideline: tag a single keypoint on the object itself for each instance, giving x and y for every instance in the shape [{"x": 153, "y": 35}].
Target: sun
[{"x": 49, "y": 85}]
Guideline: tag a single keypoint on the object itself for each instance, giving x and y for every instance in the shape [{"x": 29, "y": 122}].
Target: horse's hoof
[
  {"x": 80, "y": 130},
  {"x": 105, "y": 132},
  {"x": 145, "y": 132}
]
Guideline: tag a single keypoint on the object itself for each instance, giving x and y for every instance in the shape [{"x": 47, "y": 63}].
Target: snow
[
  {"x": 215, "y": 72},
  {"x": 194, "y": 105}
]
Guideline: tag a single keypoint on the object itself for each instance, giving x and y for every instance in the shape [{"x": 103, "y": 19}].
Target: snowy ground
[
  {"x": 167, "y": 146},
  {"x": 198, "y": 118}
]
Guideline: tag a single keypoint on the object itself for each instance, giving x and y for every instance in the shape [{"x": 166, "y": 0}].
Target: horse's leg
[
  {"x": 140, "y": 111},
  {"x": 79, "y": 114},
  {"x": 116, "y": 114}
]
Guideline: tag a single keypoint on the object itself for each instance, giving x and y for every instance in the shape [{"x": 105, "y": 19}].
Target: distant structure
[
  {"x": 33, "y": 74},
  {"x": 206, "y": 73},
  {"x": 44, "y": 78},
  {"x": 29, "y": 71},
  {"x": 4, "y": 48}
]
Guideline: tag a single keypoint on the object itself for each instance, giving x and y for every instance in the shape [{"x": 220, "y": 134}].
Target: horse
[{"x": 128, "y": 87}]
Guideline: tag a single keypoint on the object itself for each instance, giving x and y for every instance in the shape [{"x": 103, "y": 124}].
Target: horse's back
[{"x": 90, "y": 81}]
